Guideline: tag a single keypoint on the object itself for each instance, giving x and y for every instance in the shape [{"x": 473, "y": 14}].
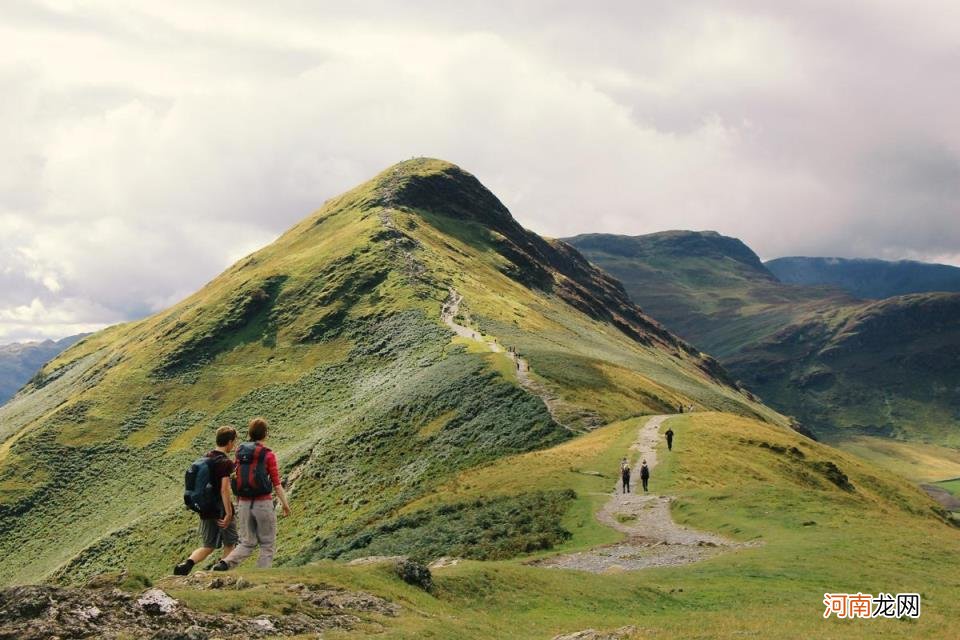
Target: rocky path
[
  {"x": 448, "y": 314},
  {"x": 654, "y": 539}
]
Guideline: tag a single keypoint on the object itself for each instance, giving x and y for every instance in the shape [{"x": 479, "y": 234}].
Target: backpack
[
  {"x": 253, "y": 480},
  {"x": 199, "y": 494}
]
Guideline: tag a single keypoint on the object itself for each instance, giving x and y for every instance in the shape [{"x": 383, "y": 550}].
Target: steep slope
[
  {"x": 334, "y": 334},
  {"x": 865, "y": 278},
  {"x": 20, "y": 361},
  {"x": 842, "y": 366}
]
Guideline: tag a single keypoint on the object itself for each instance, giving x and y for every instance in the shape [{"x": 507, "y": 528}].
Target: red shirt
[{"x": 274, "y": 471}]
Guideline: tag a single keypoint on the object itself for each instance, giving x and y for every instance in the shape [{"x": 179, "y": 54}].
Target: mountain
[
  {"x": 376, "y": 337},
  {"x": 842, "y": 366},
  {"x": 872, "y": 279},
  {"x": 710, "y": 289},
  {"x": 20, "y": 361},
  {"x": 372, "y": 336}
]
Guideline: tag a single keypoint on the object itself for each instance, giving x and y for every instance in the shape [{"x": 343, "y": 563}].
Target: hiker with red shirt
[{"x": 257, "y": 479}]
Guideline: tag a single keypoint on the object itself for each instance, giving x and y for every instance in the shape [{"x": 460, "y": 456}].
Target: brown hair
[
  {"x": 257, "y": 429},
  {"x": 225, "y": 435}
]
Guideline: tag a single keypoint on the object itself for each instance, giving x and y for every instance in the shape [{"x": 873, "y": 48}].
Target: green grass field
[{"x": 731, "y": 475}]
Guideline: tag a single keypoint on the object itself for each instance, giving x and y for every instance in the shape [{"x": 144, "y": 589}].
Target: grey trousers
[{"x": 258, "y": 527}]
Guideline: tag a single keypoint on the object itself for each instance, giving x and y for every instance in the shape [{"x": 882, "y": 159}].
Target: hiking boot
[
  {"x": 221, "y": 566},
  {"x": 184, "y": 568}
]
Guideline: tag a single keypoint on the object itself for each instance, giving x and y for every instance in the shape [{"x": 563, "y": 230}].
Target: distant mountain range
[
  {"x": 20, "y": 361},
  {"x": 839, "y": 364},
  {"x": 865, "y": 278}
]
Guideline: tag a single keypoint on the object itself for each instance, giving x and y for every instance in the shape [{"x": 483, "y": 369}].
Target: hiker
[
  {"x": 257, "y": 478},
  {"x": 625, "y": 477},
  {"x": 669, "y": 434},
  {"x": 218, "y": 528},
  {"x": 644, "y": 474},
  {"x": 680, "y": 407}
]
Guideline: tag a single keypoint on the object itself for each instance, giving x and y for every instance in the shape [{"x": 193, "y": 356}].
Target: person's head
[
  {"x": 644, "y": 461},
  {"x": 257, "y": 430},
  {"x": 226, "y": 438}
]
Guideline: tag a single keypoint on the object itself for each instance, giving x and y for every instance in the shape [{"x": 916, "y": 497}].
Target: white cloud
[{"x": 147, "y": 148}]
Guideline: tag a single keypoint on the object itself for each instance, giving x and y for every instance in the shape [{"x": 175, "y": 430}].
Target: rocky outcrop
[{"x": 48, "y": 612}]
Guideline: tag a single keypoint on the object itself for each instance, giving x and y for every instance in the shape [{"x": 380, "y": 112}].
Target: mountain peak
[{"x": 441, "y": 187}]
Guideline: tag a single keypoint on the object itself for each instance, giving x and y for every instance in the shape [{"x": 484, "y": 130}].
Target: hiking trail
[
  {"x": 654, "y": 539},
  {"x": 448, "y": 313}
]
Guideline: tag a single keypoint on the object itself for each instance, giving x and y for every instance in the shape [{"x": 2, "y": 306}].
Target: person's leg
[
  {"x": 209, "y": 540},
  {"x": 230, "y": 537},
  {"x": 266, "y": 516},
  {"x": 248, "y": 537},
  {"x": 201, "y": 554}
]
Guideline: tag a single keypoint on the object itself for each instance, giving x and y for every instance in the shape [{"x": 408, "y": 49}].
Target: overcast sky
[{"x": 145, "y": 149}]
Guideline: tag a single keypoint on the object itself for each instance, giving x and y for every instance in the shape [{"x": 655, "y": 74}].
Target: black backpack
[
  {"x": 199, "y": 494},
  {"x": 253, "y": 480}
]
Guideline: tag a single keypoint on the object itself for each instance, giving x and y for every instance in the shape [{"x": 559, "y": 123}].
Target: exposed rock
[
  {"x": 375, "y": 560},
  {"x": 45, "y": 612},
  {"x": 156, "y": 602},
  {"x": 592, "y": 634},
  {"x": 445, "y": 561},
  {"x": 340, "y": 599}
]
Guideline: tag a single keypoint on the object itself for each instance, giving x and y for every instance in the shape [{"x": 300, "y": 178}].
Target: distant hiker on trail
[
  {"x": 680, "y": 409},
  {"x": 669, "y": 434},
  {"x": 644, "y": 474},
  {"x": 625, "y": 477},
  {"x": 257, "y": 478},
  {"x": 213, "y": 501}
]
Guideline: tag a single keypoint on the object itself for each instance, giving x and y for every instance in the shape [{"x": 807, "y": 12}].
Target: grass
[
  {"x": 735, "y": 476},
  {"x": 915, "y": 461},
  {"x": 952, "y": 485}
]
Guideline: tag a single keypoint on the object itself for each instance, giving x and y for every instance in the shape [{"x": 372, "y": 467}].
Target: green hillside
[
  {"x": 334, "y": 334},
  {"x": 813, "y": 531},
  {"x": 849, "y": 370}
]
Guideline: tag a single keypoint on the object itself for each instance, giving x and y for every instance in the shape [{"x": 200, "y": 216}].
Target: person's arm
[
  {"x": 275, "y": 479},
  {"x": 227, "y": 496}
]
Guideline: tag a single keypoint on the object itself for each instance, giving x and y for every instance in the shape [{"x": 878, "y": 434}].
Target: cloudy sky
[{"x": 145, "y": 148}]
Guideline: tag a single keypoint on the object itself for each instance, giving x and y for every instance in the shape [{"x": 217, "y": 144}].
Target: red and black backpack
[{"x": 253, "y": 479}]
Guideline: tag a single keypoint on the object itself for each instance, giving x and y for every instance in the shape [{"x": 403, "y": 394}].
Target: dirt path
[
  {"x": 448, "y": 313},
  {"x": 654, "y": 539}
]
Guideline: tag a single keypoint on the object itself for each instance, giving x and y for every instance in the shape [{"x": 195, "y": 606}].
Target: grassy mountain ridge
[
  {"x": 333, "y": 333},
  {"x": 844, "y": 367},
  {"x": 868, "y": 278}
]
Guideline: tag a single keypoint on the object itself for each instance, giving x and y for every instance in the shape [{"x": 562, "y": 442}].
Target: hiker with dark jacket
[
  {"x": 217, "y": 524},
  {"x": 644, "y": 474},
  {"x": 625, "y": 477},
  {"x": 258, "y": 477},
  {"x": 669, "y": 434}
]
